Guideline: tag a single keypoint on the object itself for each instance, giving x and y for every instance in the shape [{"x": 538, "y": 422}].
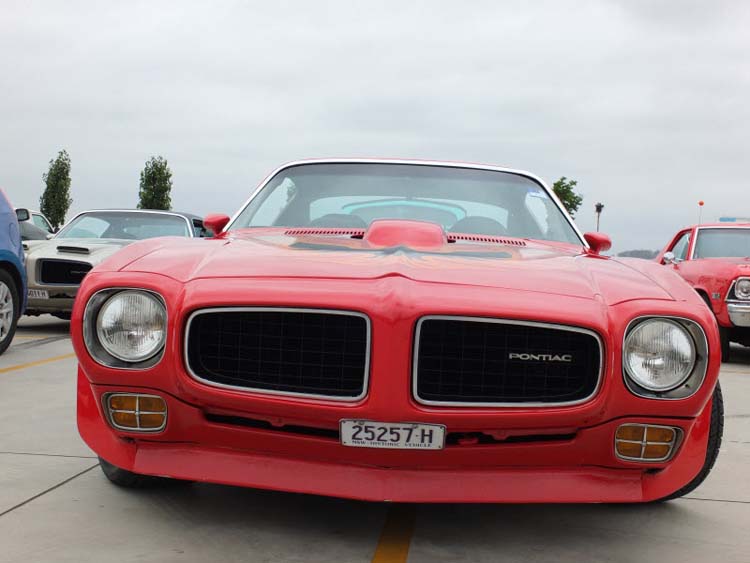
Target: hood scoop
[
  {"x": 413, "y": 234},
  {"x": 74, "y": 249}
]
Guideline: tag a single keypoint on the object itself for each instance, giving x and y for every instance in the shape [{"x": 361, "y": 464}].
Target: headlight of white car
[
  {"x": 126, "y": 328},
  {"x": 659, "y": 354},
  {"x": 742, "y": 289}
]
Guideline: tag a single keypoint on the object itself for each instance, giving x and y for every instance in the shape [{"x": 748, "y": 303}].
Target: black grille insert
[
  {"x": 67, "y": 272},
  {"x": 481, "y": 361},
  {"x": 309, "y": 352}
]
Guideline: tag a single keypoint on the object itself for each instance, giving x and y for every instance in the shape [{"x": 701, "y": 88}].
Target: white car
[{"x": 36, "y": 218}]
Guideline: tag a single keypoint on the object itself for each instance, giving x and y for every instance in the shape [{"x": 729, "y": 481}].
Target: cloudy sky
[{"x": 646, "y": 104}]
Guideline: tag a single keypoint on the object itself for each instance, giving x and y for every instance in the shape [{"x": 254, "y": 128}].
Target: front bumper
[
  {"x": 739, "y": 314},
  {"x": 582, "y": 468},
  {"x": 61, "y": 299}
]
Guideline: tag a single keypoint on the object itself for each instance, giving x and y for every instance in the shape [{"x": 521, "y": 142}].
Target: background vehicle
[
  {"x": 56, "y": 267},
  {"x": 36, "y": 218},
  {"x": 404, "y": 331},
  {"x": 12, "y": 273},
  {"x": 715, "y": 260},
  {"x": 29, "y": 231}
]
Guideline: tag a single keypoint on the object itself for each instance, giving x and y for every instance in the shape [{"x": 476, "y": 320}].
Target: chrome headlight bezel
[
  {"x": 93, "y": 343},
  {"x": 740, "y": 290},
  {"x": 690, "y": 383}
]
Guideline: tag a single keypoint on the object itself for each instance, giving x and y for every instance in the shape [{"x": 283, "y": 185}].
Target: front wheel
[
  {"x": 129, "y": 480},
  {"x": 124, "y": 478},
  {"x": 9, "y": 309},
  {"x": 712, "y": 449},
  {"x": 726, "y": 346}
]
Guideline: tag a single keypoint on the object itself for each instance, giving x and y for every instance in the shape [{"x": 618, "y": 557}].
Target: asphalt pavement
[{"x": 55, "y": 504}]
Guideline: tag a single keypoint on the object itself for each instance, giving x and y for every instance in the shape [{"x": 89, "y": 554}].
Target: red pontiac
[
  {"x": 715, "y": 260},
  {"x": 402, "y": 331}
]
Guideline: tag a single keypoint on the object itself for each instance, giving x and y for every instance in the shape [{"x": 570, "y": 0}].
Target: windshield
[
  {"x": 722, "y": 243},
  {"x": 462, "y": 200},
  {"x": 128, "y": 225}
]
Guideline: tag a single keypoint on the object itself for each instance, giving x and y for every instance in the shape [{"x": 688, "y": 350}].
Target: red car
[
  {"x": 399, "y": 331},
  {"x": 715, "y": 260}
]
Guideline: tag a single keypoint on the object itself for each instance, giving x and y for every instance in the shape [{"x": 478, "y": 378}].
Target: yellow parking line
[
  {"x": 37, "y": 363},
  {"x": 393, "y": 546}
]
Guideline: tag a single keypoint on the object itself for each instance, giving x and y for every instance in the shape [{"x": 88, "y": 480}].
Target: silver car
[{"x": 56, "y": 267}]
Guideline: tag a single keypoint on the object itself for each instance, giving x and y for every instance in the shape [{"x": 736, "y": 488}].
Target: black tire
[
  {"x": 726, "y": 347},
  {"x": 6, "y": 336},
  {"x": 124, "y": 478},
  {"x": 129, "y": 480},
  {"x": 712, "y": 449}
]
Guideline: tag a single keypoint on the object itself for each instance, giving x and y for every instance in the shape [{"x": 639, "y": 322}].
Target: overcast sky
[{"x": 645, "y": 103}]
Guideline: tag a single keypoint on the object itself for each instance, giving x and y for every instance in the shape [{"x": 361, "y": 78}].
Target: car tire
[
  {"x": 712, "y": 450},
  {"x": 10, "y": 308},
  {"x": 726, "y": 346},
  {"x": 129, "y": 480}
]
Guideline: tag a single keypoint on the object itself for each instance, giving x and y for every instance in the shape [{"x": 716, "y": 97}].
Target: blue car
[{"x": 12, "y": 273}]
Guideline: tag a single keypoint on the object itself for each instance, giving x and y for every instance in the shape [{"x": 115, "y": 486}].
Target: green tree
[
  {"x": 156, "y": 185},
  {"x": 56, "y": 200},
  {"x": 569, "y": 198}
]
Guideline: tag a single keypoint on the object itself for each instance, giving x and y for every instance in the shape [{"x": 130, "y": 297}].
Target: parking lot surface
[{"x": 55, "y": 504}]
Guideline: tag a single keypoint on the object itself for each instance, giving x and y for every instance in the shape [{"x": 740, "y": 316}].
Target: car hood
[
  {"x": 537, "y": 267},
  {"x": 725, "y": 268},
  {"x": 92, "y": 251}
]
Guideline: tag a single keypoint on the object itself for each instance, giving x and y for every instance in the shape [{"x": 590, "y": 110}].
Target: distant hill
[{"x": 645, "y": 254}]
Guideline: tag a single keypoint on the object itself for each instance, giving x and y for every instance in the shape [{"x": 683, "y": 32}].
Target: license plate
[
  {"x": 392, "y": 435},
  {"x": 38, "y": 294}
]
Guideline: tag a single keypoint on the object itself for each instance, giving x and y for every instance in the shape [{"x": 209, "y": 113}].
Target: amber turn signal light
[
  {"x": 646, "y": 442},
  {"x": 135, "y": 412}
]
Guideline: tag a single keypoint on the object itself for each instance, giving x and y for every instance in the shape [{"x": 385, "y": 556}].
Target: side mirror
[
  {"x": 22, "y": 214},
  {"x": 598, "y": 242},
  {"x": 215, "y": 222},
  {"x": 669, "y": 258}
]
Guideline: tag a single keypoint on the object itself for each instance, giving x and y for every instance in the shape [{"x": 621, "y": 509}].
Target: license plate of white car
[
  {"x": 38, "y": 294},
  {"x": 392, "y": 435}
]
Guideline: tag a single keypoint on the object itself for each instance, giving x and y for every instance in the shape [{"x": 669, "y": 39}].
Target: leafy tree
[
  {"x": 156, "y": 185},
  {"x": 569, "y": 198},
  {"x": 56, "y": 200}
]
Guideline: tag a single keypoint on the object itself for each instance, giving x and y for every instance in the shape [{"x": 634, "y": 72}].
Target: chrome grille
[
  {"x": 62, "y": 272},
  {"x": 310, "y": 352},
  {"x": 476, "y": 361}
]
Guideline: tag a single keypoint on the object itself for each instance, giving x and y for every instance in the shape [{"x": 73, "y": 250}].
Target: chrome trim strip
[
  {"x": 443, "y": 164},
  {"x": 108, "y": 412},
  {"x": 701, "y": 359},
  {"x": 365, "y": 381},
  {"x": 415, "y": 362},
  {"x": 673, "y": 445},
  {"x": 89, "y": 330}
]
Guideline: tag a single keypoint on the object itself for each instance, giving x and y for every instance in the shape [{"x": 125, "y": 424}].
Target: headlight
[
  {"x": 132, "y": 325},
  {"x": 659, "y": 354},
  {"x": 742, "y": 289}
]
